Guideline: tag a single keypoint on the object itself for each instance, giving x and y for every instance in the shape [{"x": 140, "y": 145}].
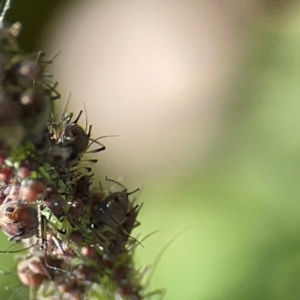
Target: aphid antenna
[
  {"x": 98, "y": 143},
  {"x": 149, "y": 234},
  {"x": 50, "y": 61},
  {"x": 118, "y": 183},
  {"x": 5, "y": 7},
  {"x": 145, "y": 238},
  {"x": 136, "y": 190},
  {"x": 51, "y": 87},
  {"x": 125, "y": 189}
]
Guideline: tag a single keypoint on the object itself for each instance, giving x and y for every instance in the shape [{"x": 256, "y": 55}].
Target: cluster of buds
[{"x": 77, "y": 238}]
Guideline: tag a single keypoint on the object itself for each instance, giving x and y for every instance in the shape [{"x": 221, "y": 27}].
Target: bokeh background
[{"x": 205, "y": 98}]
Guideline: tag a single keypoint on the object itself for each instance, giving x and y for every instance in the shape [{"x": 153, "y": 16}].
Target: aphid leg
[
  {"x": 86, "y": 121},
  {"x": 89, "y": 131},
  {"x": 41, "y": 227},
  {"x": 47, "y": 62},
  {"x": 51, "y": 87},
  {"x": 78, "y": 117}
]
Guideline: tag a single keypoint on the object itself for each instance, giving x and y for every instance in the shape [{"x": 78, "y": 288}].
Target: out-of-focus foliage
[{"x": 242, "y": 209}]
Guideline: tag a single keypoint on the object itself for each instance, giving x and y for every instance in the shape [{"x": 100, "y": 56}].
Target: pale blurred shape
[{"x": 152, "y": 72}]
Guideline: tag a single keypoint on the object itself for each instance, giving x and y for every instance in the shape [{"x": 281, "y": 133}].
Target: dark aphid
[
  {"x": 22, "y": 70},
  {"x": 81, "y": 197},
  {"x": 77, "y": 138},
  {"x": 69, "y": 142},
  {"x": 113, "y": 210},
  {"x": 82, "y": 188},
  {"x": 19, "y": 220},
  {"x": 75, "y": 211},
  {"x": 55, "y": 203},
  {"x": 113, "y": 219}
]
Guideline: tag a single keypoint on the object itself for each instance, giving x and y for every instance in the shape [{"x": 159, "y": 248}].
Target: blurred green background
[{"x": 233, "y": 224}]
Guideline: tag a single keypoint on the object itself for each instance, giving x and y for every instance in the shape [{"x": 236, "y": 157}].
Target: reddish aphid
[
  {"x": 32, "y": 190},
  {"x": 6, "y": 173},
  {"x": 13, "y": 192},
  {"x": 25, "y": 169},
  {"x": 19, "y": 220},
  {"x": 33, "y": 270}
]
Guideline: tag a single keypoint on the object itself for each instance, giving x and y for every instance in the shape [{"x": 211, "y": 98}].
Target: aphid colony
[{"x": 77, "y": 238}]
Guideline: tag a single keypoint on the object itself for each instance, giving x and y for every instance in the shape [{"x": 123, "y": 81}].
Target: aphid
[
  {"x": 81, "y": 197},
  {"x": 32, "y": 271},
  {"x": 32, "y": 190},
  {"x": 37, "y": 268},
  {"x": 6, "y": 173},
  {"x": 55, "y": 203},
  {"x": 13, "y": 192},
  {"x": 25, "y": 168},
  {"x": 113, "y": 210},
  {"x": 75, "y": 211},
  {"x": 113, "y": 219},
  {"x": 19, "y": 220},
  {"x": 22, "y": 70},
  {"x": 25, "y": 94},
  {"x": 68, "y": 143},
  {"x": 77, "y": 138}
]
